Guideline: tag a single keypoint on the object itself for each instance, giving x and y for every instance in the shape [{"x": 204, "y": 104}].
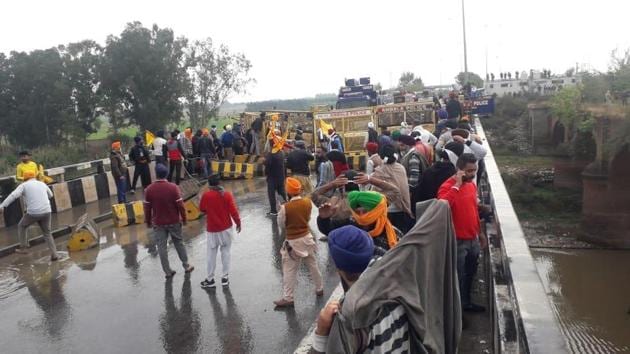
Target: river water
[{"x": 589, "y": 291}]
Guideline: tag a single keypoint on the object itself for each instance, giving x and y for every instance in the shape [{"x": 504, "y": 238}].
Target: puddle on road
[
  {"x": 9, "y": 282},
  {"x": 589, "y": 292}
]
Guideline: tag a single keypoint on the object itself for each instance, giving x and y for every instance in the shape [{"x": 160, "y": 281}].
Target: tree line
[{"x": 146, "y": 77}]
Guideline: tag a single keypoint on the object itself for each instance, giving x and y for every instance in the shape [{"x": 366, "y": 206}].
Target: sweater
[
  {"x": 36, "y": 197},
  {"x": 163, "y": 204},
  {"x": 23, "y": 167},
  {"x": 220, "y": 209},
  {"x": 274, "y": 165},
  {"x": 297, "y": 214},
  {"x": 463, "y": 202}
]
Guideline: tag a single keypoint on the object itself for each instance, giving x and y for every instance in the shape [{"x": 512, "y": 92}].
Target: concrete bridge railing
[{"x": 523, "y": 320}]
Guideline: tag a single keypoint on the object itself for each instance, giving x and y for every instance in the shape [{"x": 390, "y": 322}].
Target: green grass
[{"x": 530, "y": 162}]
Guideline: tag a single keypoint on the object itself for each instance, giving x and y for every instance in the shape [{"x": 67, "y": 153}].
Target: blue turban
[
  {"x": 350, "y": 248},
  {"x": 161, "y": 171}
]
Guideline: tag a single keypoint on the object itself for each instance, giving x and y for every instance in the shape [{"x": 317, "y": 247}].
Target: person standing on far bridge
[
  {"x": 37, "y": 199},
  {"x": 164, "y": 211}
]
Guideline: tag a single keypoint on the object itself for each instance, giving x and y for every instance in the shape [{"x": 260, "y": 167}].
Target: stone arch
[
  {"x": 619, "y": 170},
  {"x": 585, "y": 146},
  {"x": 558, "y": 133}
]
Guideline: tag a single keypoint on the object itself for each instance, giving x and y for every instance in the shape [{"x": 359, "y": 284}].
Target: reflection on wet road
[{"x": 115, "y": 299}]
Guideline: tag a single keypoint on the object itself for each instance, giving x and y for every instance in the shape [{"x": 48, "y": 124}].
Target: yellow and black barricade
[
  {"x": 233, "y": 170},
  {"x": 128, "y": 214},
  {"x": 84, "y": 235}
]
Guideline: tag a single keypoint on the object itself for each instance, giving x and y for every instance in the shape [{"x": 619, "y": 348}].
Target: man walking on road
[
  {"x": 275, "y": 172},
  {"x": 300, "y": 245},
  {"x": 37, "y": 199},
  {"x": 221, "y": 216},
  {"x": 461, "y": 194},
  {"x": 119, "y": 171},
  {"x": 164, "y": 211},
  {"x": 140, "y": 156}
]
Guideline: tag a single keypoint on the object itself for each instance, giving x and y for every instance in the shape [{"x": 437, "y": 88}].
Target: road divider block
[
  {"x": 233, "y": 170},
  {"x": 192, "y": 209},
  {"x": 128, "y": 214},
  {"x": 84, "y": 235}
]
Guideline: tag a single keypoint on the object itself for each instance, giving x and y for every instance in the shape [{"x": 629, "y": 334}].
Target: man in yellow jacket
[{"x": 26, "y": 165}]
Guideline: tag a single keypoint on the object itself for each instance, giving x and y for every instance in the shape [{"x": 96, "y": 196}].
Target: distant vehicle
[{"x": 356, "y": 94}]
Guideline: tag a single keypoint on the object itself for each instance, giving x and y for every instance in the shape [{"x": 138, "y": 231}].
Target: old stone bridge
[{"x": 602, "y": 171}]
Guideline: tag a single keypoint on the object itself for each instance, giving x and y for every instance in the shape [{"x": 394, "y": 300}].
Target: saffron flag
[
  {"x": 324, "y": 127},
  {"x": 148, "y": 137}
]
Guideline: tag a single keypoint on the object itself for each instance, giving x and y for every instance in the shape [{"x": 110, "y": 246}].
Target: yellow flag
[
  {"x": 148, "y": 137},
  {"x": 324, "y": 127}
]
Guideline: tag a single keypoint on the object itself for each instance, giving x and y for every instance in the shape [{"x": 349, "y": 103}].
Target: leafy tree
[
  {"x": 40, "y": 99},
  {"x": 213, "y": 74},
  {"x": 566, "y": 105},
  {"x": 619, "y": 71},
  {"x": 595, "y": 86},
  {"x": 473, "y": 79},
  {"x": 143, "y": 77},
  {"x": 82, "y": 60},
  {"x": 408, "y": 81}
]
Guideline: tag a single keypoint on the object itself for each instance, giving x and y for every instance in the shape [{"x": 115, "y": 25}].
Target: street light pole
[{"x": 465, "y": 51}]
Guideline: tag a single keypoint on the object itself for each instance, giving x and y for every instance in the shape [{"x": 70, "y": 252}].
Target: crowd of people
[
  {"x": 416, "y": 183},
  {"x": 411, "y": 218}
]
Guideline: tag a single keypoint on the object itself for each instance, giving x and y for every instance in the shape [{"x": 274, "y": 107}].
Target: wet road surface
[{"x": 114, "y": 299}]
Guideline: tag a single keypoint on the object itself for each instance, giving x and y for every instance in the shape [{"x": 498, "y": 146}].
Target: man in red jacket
[
  {"x": 221, "y": 216},
  {"x": 461, "y": 194},
  {"x": 164, "y": 211}
]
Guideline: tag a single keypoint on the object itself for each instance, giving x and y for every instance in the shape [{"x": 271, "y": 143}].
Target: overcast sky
[{"x": 301, "y": 48}]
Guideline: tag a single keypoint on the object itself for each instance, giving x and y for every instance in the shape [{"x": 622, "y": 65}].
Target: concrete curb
[
  {"x": 306, "y": 344},
  {"x": 60, "y": 232}
]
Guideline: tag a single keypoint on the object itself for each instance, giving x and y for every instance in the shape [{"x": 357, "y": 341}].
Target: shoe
[
  {"x": 170, "y": 274},
  {"x": 22, "y": 250},
  {"x": 132, "y": 192},
  {"x": 225, "y": 281},
  {"x": 271, "y": 213},
  {"x": 283, "y": 303},
  {"x": 319, "y": 293},
  {"x": 208, "y": 284},
  {"x": 54, "y": 258},
  {"x": 474, "y": 308},
  {"x": 189, "y": 269}
]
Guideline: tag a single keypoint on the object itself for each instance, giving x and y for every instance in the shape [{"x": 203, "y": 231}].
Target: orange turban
[
  {"x": 116, "y": 145},
  {"x": 293, "y": 186},
  {"x": 28, "y": 175}
]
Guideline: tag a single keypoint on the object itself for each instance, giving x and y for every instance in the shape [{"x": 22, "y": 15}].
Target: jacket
[
  {"x": 274, "y": 165},
  {"x": 23, "y": 167},
  {"x": 206, "y": 145},
  {"x": 175, "y": 151},
  {"x": 419, "y": 274},
  {"x": 139, "y": 154},
  {"x": 227, "y": 139},
  {"x": 118, "y": 164},
  {"x": 432, "y": 179},
  {"x": 298, "y": 162},
  {"x": 464, "y": 206},
  {"x": 186, "y": 146}
]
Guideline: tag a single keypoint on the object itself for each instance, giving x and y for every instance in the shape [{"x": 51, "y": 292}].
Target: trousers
[
  {"x": 219, "y": 241},
  {"x": 162, "y": 232},
  {"x": 141, "y": 171},
  {"x": 467, "y": 257},
  {"x": 176, "y": 167},
  {"x": 43, "y": 220},
  {"x": 121, "y": 190},
  {"x": 275, "y": 185},
  {"x": 291, "y": 264}
]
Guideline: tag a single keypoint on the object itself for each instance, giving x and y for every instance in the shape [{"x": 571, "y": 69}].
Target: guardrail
[
  {"x": 69, "y": 172},
  {"x": 523, "y": 320}
]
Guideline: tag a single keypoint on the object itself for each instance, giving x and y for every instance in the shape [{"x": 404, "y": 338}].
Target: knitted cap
[
  {"x": 161, "y": 171},
  {"x": 372, "y": 148},
  {"x": 350, "y": 248}
]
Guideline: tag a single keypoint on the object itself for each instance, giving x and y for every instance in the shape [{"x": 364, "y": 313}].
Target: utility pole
[{"x": 465, "y": 51}]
